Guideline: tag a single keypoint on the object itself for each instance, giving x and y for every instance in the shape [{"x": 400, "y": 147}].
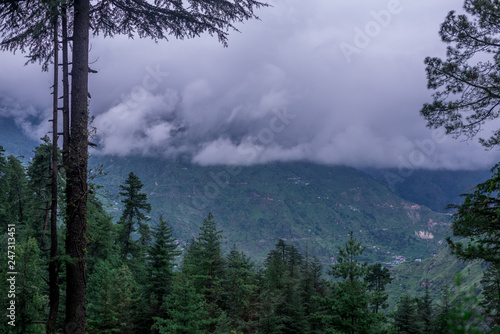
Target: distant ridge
[{"x": 14, "y": 141}]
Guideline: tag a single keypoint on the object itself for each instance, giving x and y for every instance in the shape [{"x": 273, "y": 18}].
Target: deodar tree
[
  {"x": 467, "y": 82},
  {"x": 466, "y": 96},
  {"x": 26, "y": 26}
]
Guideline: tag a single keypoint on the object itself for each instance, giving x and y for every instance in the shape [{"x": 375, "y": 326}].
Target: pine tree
[
  {"x": 204, "y": 264},
  {"x": 3, "y": 188},
  {"x": 101, "y": 236},
  {"x": 113, "y": 292},
  {"x": 477, "y": 219},
  {"x": 29, "y": 295},
  {"x": 161, "y": 262},
  {"x": 491, "y": 292},
  {"x": 425, "y": 312},
  {"x": 39, "y": 173},
  {"x": 405, "y": 317},
  {"x": 186, "y": 311},
  {"x": 441, "y": 323},
  {"x": 282, "y": 287},
  {"x": 348, "y": 304},
  {"x": 133, "y": 215},
  {"x": 25, "y": 25},
  {"x": 377, "y": 278},
  {"x": 313, "y": 289},
  {"x": 466, "y": 82},
  {"x": 239, "y": 291},
  {"x": 17, "y": 197}
]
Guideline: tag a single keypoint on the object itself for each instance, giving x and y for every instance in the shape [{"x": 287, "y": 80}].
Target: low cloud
[{"x": 283, "y": 90}]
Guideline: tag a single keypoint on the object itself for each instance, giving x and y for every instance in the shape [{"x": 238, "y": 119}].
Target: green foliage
[
  {"x": 186, "y": 311},
  {"x": 161, "y": 261},
  {"x": 465, "y": 316},
  {"x": 377, "y": 277},
  {"x": 39, "y": 179},
  {"x": 346, "y": 309},
  {"x": 441, "y": 322},
  {"x": 425, "y": 312},
  {"x": 112, "y": 294},
  {"x": 133, "y": 215},
  {"x": 491, "y": 291},
  {"x": 406, "y": 317},
  {"x": 226, "y": 293},
  {"x": 313, "y": 287},
  {"x": 28, "y": 287},
  {"x": 204, "y": 264},
  {"x": 17, "y": 197},
  {"x": 101, "y": 235},
  {"x": 478, "y": 219},
  {"x": 282, "y": 286},
  {"x": 240, "y": 291},
  {"x": 466, "y": 93}
]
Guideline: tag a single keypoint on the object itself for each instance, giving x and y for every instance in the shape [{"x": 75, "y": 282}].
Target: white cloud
[{"x": 219, "y": 104}]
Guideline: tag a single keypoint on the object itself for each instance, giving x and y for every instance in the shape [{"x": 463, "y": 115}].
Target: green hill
[
  {"x": 311, "y": 205},
  {"x": 438, "y": 272},
  {"x": 432, "y": 188}
]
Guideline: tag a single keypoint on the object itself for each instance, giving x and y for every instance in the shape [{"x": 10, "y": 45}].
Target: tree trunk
[
  {"x": 53, "y": 262},
  {"x": 76, "y": 189},
  {"x": 65, "y": 65}
]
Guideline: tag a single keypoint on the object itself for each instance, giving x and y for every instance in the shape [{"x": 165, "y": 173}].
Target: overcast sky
[{"x": 335, "y": 82}]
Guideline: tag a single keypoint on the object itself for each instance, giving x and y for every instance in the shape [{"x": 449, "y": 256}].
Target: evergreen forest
[{"x": 141, "y": 279}]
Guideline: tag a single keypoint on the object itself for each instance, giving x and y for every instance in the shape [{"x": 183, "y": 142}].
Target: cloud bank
[{"x": 324, "y": 81}]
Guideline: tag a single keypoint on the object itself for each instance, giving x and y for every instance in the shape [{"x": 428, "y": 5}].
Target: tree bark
[
  {"x": 65, "y": 66},
  {"x": 76, "y": 189},
  {"x": 53, "y": 262}
]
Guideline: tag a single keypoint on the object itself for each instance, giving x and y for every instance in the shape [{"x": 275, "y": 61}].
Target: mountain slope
[
  {"x": 314, "y": 206},
  {"x": 438, "y": 272},
  {"x": 432, "y": 188}
]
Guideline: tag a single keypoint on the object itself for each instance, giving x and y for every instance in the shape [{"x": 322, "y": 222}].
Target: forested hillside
[
  {"x": 144, "y": 273},
  {"x": 313, "y": 206}
]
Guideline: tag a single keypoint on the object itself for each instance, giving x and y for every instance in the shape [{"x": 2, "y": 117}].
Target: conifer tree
[
  {"x": 377, "y": 278},
  {"x": 113, "y": 292},
  {"x": 406, "y": 318},
  {"x": 491, "y": 292},
  {"x": 17, "y": 197},
  {"x": 425, "y": 312},
  {"x": 186, "y": 311},
  {"x": 313, "y": 289},
  {"x": 156, "y": 20},
  {"x": 466, "y": 82},
  {"x": 39, "y": 171},
  {"x": 133, "y": 215},
  {"x": 346, "y": 309},
  {"x": 240, "y": 291},
  {"x": 162, "y": 258},
  {"x": 101, "y": 235},
  {"x": 29, "y": 283},
  {"x": 204, "y": 264},
  {"x": 283, "y": 290},
  {"x": 3, "y": 187},
  {"x": 441, "y": 323}
]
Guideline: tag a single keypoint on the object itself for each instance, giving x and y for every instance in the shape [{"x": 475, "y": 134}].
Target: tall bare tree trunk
[
  {"x": 53, "y": 262},
  {"x": 76, "y": 189},
  {"x": 65, "y": 65}
]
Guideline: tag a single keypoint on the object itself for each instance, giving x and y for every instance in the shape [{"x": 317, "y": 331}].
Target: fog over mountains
[{"x": 322, "y": 81}]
